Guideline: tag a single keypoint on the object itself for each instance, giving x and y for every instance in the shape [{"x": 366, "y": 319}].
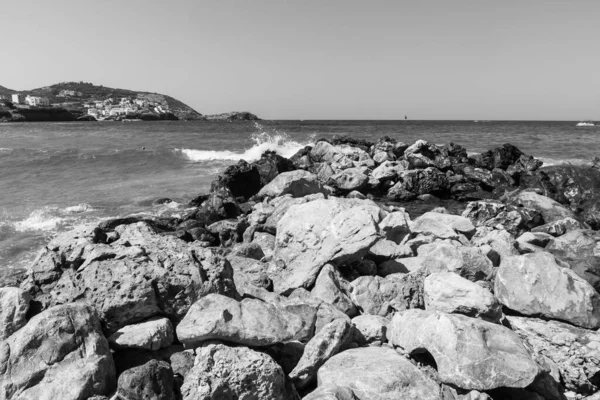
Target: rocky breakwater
[{"x": 303, "y": 278}]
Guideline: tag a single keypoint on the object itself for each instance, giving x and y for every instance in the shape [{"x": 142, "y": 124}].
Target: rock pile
[{"x": 298, "y": 279}]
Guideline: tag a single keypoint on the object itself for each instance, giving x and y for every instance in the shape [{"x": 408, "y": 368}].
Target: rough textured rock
[
  {"x": 417, "y": 182},
  {"x": 389, "y": 170},
  {"x": 330, "y": 287},
  {"x": 423, "y": 154},
  {"x": 469, "y": 353},
  {"x": 384, "y": 250},
  {"x": 250, "y": 322},
  {"x": 14, "y": 304},
  {"x": 272, "y": 164},
  {"x": 559, "y": 227},
  {"x": 468, "y": 262},
  {"x": 313, "y": 234},
  {"x": 378, "y": 373},
  {"x": 448, "y": 292},
  {"x": 60, "y": 354},
  {"x": 151, "y": 381},
  {"x": 370, "y": 328},
  {"x": 395, "y": 226},
  {"x": 266, "y": 241},
  {"x": 325, "y": 344},
  {"x": 152, "y": 334},
  {"x": 140, "y": 275},
  {"x": 242, "y": 179},
  {"x": 501, "y": 242},
  {"x": 331, "y": 392},
  {"x": 298, "y": 183},
  {"x": 222, "y": 372},
  {"x": 580, "y": 250},
  {"x": 575, "y": 352},
  {"x": 443, "y": 226},
  {"x": 534, "y": 284},
  {"x": 349, "y": 179},
  {"x": 499, "y": 157},
  {"x": 382, "y": 296},
  {"x": 550, "y": 209}
]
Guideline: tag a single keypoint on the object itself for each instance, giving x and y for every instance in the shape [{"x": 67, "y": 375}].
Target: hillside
[{"x": 83, "y": 98}]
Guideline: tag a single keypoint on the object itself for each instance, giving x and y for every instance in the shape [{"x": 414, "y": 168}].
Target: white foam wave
[
  {"x": 79, "y": 208},
  {"x": 278, "y": 142},
  {"x": 44, "y": 219},
  {"x": 573, "y": 161}
]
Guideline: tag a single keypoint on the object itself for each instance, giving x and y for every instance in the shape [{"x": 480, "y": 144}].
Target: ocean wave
[
  {"x": 44, "y": 219},
  {"x": 278, "y": 142},
  {"x": 79, "y": 208},
  {"x": 548, "y": 162}
]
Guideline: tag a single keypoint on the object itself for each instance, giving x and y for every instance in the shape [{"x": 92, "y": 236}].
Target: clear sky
[{"x": 319, "y": 59}]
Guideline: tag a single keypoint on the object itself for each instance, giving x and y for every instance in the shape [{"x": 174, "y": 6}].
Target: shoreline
[{"x": 290, "y": 268}]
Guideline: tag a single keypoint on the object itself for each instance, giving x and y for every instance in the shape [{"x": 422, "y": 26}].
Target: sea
[{"x": 54, "y": 176}]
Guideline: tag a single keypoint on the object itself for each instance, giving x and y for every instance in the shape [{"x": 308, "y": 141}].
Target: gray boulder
[
  {"x": 574, "y": 352},
  {"x": 150, "y": 381},
  {"x": 349, "y": 179},
  {"x": 152, "y": 334},
  {"x": 370, "y": 328},
  {"x": 325, "y": 344},
  {"x": 222, "y": 372},
  {"x": 313, "y": 234},
  {"x": 330, "y": 287},
  {"x": 250, "y": 322},
  {"x": 378, "y": 373},
  {"x": 298, "y": 183},
  {"x": 450, "y": 293},
  {"x": 331, "y": 392},
  {"x": 60, "y": 354},
  {"x": 534, "y": 284},
  {"x": 469, "y": 353},
  {"x": 395, "y": 226},
  {"x": 140, "y": 275},
  {"x": 14, "y": 304},
  {"x": 382, "y": 296},
  {"x": 443, "y": 226},
  {"x": 550, "y": 209}
]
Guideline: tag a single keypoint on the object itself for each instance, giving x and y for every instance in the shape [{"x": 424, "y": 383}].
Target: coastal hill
[{"x": 84, "y": 100}]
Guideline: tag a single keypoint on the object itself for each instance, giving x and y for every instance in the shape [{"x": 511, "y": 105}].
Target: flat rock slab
[
  {"x": 443, "y": 226},
  {"x": 534, "y": 284},
  {"x": 469, "y": 353},
  {"x": 250, "y": 322},
  {"x": 378, "y": 373},
  {"x": 148, "y": 335},
  {"x": 313, "y": 234}
]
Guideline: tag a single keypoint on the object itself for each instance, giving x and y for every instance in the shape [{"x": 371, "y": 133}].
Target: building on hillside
[
  {"x": 117, "y": 111},
  {"x": 68, "y": 93},
  {"x": 18, "y": 98},
  {"x": 37, "y": 101},
  {"x": 93, "y": 112},
  {"x": 140, "y": 102}
]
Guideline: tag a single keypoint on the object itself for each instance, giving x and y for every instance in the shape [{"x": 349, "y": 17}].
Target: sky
[{"x": 320, "y": 59}]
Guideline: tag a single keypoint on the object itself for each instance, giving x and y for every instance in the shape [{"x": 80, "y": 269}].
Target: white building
[
  {"x": 37, "y": 101},
  {"x": 17, "y": 98}
]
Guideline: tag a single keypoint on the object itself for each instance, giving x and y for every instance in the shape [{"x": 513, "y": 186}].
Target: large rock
[
  {"x": 331, "y": 288},
  {"x": 423, "y": 154},
  {"x": 575, "y": 352},
  {"x": 389, "y": 170},
  {"x": 222, "y": 372},
  {"x": 281, "y": 205},
  {"x": 148, "y": 335},
  {"x": 140, "y": 275},
  {"x": 14, "y": 304},
  {"x": 448, "y": 292},
  {"x": 580, "y": 250},
  {"x": 550, "y": 209},
  {"x": 298, "y": 183},
  {"x": 349, "y": 179},
  {"x": 272, "y": 164},
  {"x": 242, "y": 179},
  {"x": 469, "y": 353},
  {"x": 395, "y": 226},
  {"x": 417, "y": 182},
  {"x": 501, "y": 216},
  {"x": 250, "y": 322},
  {"x": 499, "y": 157},
  {"x": 370, "y": 328},
  {"x": 328, "y": 153},
  {"x": 327, "y": 343},
  {"x": 378, "y": 373},
  {"x": 468, "y": 262},
  {"x": 60, "y": 354},
  {"x": 443, "y": 226},
  {"x": 313, "y": 234},
  {"x": 534, "y": 284},
  {"x": 382, "y": 296},
  {"x": 331, "y": 392},
  {"x": 150, "y": 381}
]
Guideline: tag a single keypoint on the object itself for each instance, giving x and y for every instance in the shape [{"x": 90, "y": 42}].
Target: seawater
[{"x": 54, "y": 176}]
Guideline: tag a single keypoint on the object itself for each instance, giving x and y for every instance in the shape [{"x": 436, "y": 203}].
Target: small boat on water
[{"x": 586, "y": 123}]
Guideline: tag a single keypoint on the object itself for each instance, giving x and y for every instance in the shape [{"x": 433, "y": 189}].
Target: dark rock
[
  {"x": 419, "y": 181},
  {"x": 301, "y": 159},
  {"x": 578, "y": 183},
  {"x": 423, "y": 154},
  {"x": 241, "y": 179},
  {"x": 272, "y": 164},
  {"x": 360, "y": 143},
  {"x": 151, "y": 381},
  {"x": 198, "y": 200},
  {"x": 524, "y": 164},
  {"x": 203, "y": 235},
  {"x": 500, "y": 157},
  {"x": 456, "y": 152},
  {"x": 158, "y": 223},
  {"x": 229, "y": 231}
]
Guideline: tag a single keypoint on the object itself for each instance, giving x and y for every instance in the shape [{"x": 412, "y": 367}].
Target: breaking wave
[{"x": 276, "y": 141}]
